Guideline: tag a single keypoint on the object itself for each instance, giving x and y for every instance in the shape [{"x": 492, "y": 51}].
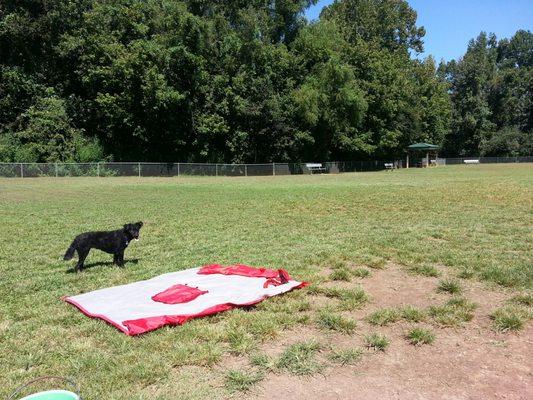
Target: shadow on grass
[{"x": 99, "y": 263}]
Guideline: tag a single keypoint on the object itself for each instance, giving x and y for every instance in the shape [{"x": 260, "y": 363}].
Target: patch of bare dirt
[{"x": 469, "y": 362}]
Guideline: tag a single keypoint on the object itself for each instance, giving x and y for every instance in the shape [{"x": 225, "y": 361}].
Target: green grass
[
  {"x": 375, "y": 262},
  {"x": 383, "y": 317},
  {"x": 419, "y": 336},
  {"x": 192, "y": 352},
  {"x": 263, "y": 362},
  {"x": 241, "y": 381},
  {"x": 510, "y": 318},
  {"x": 454, "y": 312},
  {"x": 412, "y": 314},
  {"x": 466, "y": 273},
  {"x": 361, "y": 273},
  {"x": 483, "y": 217},
  {"x": 386, "y": 316},
  {"x": 333, "y": 261},
  {"x": 377, "y": 341},
  {"x": 341, "y": 274},
  {"x": 523, "y": 299},
  {"x": 425, "y": 270},
  {"x": 449, "y": 286},
  {"x": 241, "y": 342},
  {"x": 327, "y": 319},
  {"x": 346, "y": 356},
  {"x": 295, "y": 302},
  {"x": 350, "y": 299},
  {"x": 300, "y": 359}
]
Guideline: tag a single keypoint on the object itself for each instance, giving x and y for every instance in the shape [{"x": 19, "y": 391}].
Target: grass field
[{"x": 472, "y": 222}]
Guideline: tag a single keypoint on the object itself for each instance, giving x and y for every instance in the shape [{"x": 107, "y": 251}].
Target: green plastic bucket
[
  {"x": 57, "y": 394},
  {"x": 52, "y": 395}
]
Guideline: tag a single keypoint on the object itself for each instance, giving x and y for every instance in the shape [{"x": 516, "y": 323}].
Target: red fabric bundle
[
  {"x": 178, "y": 294},
  {"x": 238, "y": 269}
]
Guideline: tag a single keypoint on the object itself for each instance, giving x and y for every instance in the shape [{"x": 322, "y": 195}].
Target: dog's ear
[
  {"x": 139, "y": 223},
  {"x": 127, "y": 227}
]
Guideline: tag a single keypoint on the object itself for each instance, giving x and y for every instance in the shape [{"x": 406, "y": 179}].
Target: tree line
[{"x": 249, "y": 81}]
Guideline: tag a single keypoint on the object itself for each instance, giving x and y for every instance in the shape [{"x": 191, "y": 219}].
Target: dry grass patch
[
  {"x": 424, "y": 270},
  {"x": 346, "y": 356},
  {"x": 384, "y": 316},
  {"x": 241, "y": 381},
  {"x": 341, "y": 274},
  {"x": 350, "y": 299},
  {"x": 361, "y": 273},
  {"x": 263, "y": 362},
  {"x": 454, "y": 312},
  {"x": 449, "y": 286},
  {"x": 412, "y": 314},
  {"x": 419, "y": 336},
  {"x": 377, "y": 341},
  {"x": 328, "y": 319},
  {"x": 522, "y": 299},
  {"x": 300, "y": 359},
  {"x": 510, "y": 318}
]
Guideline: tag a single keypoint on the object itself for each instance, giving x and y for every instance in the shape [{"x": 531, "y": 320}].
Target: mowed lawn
[{"x": 474, "y": 221}]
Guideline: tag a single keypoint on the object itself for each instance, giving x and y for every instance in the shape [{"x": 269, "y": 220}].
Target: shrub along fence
[{"x": 140, "y": 169}]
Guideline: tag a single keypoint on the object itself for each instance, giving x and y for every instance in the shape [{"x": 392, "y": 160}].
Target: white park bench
[
  {"x": 389, "y": 166},
  {"x": 471, "y": 161},
  {"x": 315, "y": 167}
]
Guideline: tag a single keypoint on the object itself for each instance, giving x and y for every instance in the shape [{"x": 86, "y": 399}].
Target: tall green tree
[
  {"x": 248, "y": 81},
  {"x": 470, "y": 79},
  {"x": 491, "y": 88},
  {"x": 406, "y": 100},
  {"x": 384, "y": 24}
]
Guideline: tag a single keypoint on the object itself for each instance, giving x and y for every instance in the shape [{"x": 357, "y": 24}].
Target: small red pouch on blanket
[{"x": 178, "y": 294}]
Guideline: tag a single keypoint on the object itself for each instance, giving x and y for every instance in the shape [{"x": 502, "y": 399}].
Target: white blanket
[{"x": 131, "y": 308}]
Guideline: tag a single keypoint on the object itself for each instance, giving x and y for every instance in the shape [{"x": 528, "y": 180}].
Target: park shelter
[{"x": 423, "y": 147}]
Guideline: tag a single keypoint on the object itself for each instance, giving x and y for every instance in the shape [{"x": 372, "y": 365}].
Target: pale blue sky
[{"x": 450, "y": 24}]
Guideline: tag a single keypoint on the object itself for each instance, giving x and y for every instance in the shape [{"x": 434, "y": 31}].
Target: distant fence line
[
  {"x": 149, "y": 169},
  {"x": 489, "y": 160}
]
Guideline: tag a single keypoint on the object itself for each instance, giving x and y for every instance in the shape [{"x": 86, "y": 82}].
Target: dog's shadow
[{"x": 107, "y": 263}]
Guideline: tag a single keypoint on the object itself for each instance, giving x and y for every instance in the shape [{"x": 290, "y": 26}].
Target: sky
[{"x": 450, "y": 24}]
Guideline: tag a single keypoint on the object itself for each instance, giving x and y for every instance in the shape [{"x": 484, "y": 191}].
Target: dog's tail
[{"x": 70, "y": 251}]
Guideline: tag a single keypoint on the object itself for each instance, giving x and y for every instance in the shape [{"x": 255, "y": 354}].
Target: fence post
[
  {"x": 245, "y": 169},
  {"x": 178, "y": 169},
  {"x": 21, "y": 171},
  {"x": 216, "y": 169},
  {"x": 98, "y": 169},
  {"x": 139, "y": 165},
  {"x": 273, "y": 169},
  {"x": 56, "y": 168}
]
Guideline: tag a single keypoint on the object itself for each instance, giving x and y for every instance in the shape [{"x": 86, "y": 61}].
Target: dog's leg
[
  {"x": 82, "y": 255},
  {"x": 120, "y": 259},
  {"x": 115, "y": 258}
]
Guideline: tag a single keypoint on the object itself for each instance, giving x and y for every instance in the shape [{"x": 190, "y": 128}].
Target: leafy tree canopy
[{"x": 248, "y": 81}]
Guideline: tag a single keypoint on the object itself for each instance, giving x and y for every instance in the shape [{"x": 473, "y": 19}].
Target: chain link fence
[
  {"x": 489, "y": 160},
  {"x": 145, "y": 169}
]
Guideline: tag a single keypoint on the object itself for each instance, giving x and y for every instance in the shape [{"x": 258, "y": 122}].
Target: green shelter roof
[{"x": 423, "y": 146}]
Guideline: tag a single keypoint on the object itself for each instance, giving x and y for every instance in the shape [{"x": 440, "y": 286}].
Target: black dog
[{"x": 114, "y": 242}]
